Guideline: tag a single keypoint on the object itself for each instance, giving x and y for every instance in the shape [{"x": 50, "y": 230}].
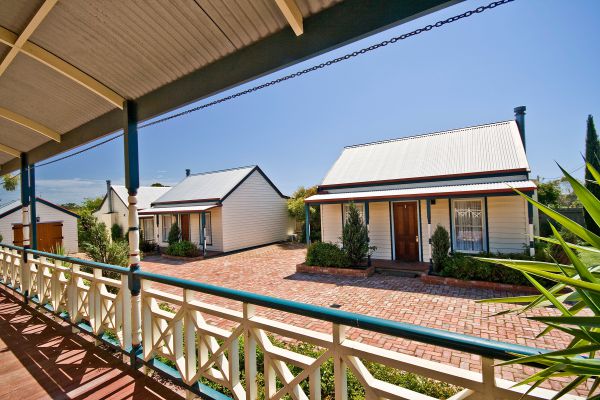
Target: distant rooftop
[
  {"x": 492, "y": 147},
  {"x": 146, "y": 195}
]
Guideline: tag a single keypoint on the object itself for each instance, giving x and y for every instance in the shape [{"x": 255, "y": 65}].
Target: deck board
[{"x": 43, "y": 359}]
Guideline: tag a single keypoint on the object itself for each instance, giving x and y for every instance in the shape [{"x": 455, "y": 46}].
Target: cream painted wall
[
  {"x": 45, "y": 214},
  {"x": 331, "y": 223},
  {"x": 254, "y": 214}
]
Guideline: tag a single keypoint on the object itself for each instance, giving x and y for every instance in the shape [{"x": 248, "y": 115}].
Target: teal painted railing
[{"x": 173, "y": 326}]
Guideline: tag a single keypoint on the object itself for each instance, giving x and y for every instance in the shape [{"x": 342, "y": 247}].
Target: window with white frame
[
  {"x": 167, "y": 222},
  {"x": 208, "y": 228},
  {"x": 147, "y": 229},
  {"x": 468, "y": 225},
  {"x": 346, "y": 207}
]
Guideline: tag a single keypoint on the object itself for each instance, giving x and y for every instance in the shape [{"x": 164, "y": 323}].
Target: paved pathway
[
  {"x": 42, "y": 359},
  {"x": 271, "y": 271}
]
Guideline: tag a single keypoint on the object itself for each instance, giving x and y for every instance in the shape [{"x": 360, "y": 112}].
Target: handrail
[
  {"x": 433, "y": 336},
  {"x": 74, "y": 260}
]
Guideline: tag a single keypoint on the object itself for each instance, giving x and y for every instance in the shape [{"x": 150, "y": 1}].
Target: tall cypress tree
[{"x": 592, "y": 155}]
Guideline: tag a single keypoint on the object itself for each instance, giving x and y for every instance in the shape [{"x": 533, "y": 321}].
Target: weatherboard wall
[
  {"x": 45, "y": 213},
  {"x": 254, "y": 214}
]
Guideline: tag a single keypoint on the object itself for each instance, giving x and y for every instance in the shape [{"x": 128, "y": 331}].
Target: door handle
[{"x": 417, "y": 238}]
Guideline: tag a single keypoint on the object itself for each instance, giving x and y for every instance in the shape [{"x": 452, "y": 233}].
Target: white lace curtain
[{"x": 468, "y": 225}]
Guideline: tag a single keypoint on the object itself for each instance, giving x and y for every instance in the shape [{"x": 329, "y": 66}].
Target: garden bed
[
  {"x": 197, "y": 258},
  {"x": 355, "y": 272},
  {"x": 442, "y": 280}
]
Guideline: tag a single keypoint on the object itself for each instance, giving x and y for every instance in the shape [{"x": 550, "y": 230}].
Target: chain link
[{"x": 297, "y": 74}]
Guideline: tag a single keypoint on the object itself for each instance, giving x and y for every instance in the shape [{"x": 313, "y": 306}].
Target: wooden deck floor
[{"x": 42, "y": 359}]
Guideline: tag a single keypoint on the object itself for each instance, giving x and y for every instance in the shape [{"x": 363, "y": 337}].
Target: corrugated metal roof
[
  {"x": 478, "y": 149},
  {"x": 174, "y": 210},
  {"x": 6, "y": 207},
  {"x": 206, "y": 186},
  {"x": 145, "y": 195},
  {"x": 432, "y": 191}
]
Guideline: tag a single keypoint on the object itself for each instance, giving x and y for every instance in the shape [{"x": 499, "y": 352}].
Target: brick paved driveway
[{"x": 271, "y": 271}]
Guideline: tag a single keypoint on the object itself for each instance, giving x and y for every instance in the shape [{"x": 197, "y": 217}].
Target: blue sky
[{"x": 544, "y": 54}]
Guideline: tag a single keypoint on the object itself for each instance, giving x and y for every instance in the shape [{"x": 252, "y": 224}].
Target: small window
[
  {"x": 468, "y": 226},
  {"x": 346, "y": 207},
  {"x": 208, "y": 229},
  {"x": 167, "y": 222},
  {"x": 147, "y": 229}
]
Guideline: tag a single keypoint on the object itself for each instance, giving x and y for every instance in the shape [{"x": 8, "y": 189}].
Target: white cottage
[
  {"x": 223, "y": 210},
  {"x": 113, "y": 209},
  {"x": 56, "y": 226},
  {"x": 461, "y": 179}
]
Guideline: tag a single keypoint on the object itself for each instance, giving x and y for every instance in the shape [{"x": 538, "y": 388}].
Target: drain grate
[{"x": 335, "y": 305}]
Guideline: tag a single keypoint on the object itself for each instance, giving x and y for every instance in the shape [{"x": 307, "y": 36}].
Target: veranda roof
[
  {"x": 177, "y": 210},
  {"x": 426, "y": 192},
  {"x": 66, "y": 67}
]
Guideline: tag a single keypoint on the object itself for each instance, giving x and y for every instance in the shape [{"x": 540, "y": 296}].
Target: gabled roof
[
  {"x": 214, "y": 186},
  {"x": 15, "y": 205},
  {"x": 146, "y": 195},
  {"x": 491, "y": 148}
]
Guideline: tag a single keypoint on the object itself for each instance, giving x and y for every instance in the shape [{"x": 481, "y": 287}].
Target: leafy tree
[
  {"x": 98, "y": 246},
  {"x": 592, "y": 156},
  {"x": 549, "y": 193},
  {"x": 174, "y": 234},
  {"x": 355, "y": 237},
  {"x": 157, "y": 184},
  {"x": 73, "y": 207},
  {"x": 295, "y": 206},
  {"x": 440, "y": 245},
  {"x": 91, "y": 204},
  {"x": 10, "y": 182}
]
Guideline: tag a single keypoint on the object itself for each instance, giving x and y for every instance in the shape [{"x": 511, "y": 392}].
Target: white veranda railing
[{"x": 185, "y": 336}]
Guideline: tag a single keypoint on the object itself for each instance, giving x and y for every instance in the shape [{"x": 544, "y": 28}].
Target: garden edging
[
  {"x": 198, "y": 258},
  {"x": 349, "y": 272},
  {"x": 442, "y": 280}
]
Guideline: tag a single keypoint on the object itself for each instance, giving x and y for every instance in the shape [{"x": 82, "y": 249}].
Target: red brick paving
[
  {"x": 42, "y": 359},
  {"x": 271, "y": 271}
]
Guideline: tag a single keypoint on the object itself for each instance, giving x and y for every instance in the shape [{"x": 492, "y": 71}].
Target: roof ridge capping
[
  {"x": 437, "y": 133},
  {"x": 223, "y": 170}
]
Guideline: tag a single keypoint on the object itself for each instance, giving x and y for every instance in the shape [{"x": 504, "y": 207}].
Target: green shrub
[
  {"x": 355, "y": 237},
  {"x": 468, "y": 268},
  {"x": 326, "y": 255},
  {"x": 147, "y": 246},
  {"x": 116, "y": 232},
  {"x": 440, "y": 246},
  {"x": 183, "y": 249},
  {"x": 174, "y": 234}
]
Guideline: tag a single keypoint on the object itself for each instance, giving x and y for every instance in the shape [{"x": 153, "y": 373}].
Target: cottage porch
[{"x": 136, "y": 65}]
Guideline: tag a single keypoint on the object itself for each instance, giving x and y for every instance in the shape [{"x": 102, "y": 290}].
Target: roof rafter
[
  {"x": 21, "y": 44},
  {"x": 292, "y": 14},
  {"x": 10, "y": 150},
  {"x": 27, "y": 123}
]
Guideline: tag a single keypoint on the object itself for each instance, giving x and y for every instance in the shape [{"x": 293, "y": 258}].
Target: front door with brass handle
[{"x": 406, "y": 231}]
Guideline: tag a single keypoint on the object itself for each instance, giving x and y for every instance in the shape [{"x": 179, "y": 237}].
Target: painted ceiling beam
[
  {"x": 61, "y": 66},
  {"x": 29, "y": 124},
  {"x": 21, "y": 39},
  {"x": 292, "y": 14},
  {"x": 10, "y": 150}
]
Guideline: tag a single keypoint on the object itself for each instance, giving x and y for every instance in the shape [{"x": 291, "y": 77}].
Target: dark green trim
[
  {"x": 32, "y": 208},
  {"x": 487, "y": 225},
  {"x": 130, "y": 146},
  {"x": 394, "y": 182},
  {"x": 307, "y": 223},
  {"x": 341, "y": 24},
  {"x": 450, "y": 215},
  {"x": 45, "y": 202},
  {"x": 57, "y": 207},
  {"x": 421, "y": 255},
  {"x": 260, "y": 171},
  {"x": 428, "y": 211},
  {"x": 392, "y": 244},
  {"x": 24, "y": 180}
]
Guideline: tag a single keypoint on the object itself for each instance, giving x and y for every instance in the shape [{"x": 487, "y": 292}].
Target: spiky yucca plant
[{"x": 577, "y": 290}]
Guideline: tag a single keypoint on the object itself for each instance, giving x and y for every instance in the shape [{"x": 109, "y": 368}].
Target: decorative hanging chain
[{"x": 297, "y": 74}]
